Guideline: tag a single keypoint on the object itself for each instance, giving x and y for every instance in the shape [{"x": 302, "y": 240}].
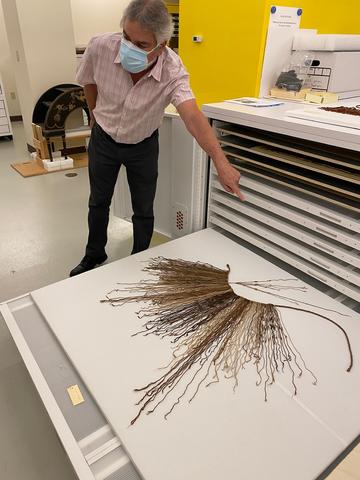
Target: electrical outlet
[{"x": 13, "y": 95}]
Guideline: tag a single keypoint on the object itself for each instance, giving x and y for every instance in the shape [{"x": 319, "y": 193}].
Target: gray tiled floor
[{"x": 42, "y": 236}]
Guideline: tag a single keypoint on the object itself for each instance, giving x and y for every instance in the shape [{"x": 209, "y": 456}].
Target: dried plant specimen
[
  {"x": 214, "y": 331},
  {"x": 343, "y": 109}
]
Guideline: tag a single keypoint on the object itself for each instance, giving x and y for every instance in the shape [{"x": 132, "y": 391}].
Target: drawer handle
[
  {"x": 324, "y": 248},
  {"x": 324, "y": 280},
  {"x": 330, "y": 217},
  {"x": 323, "y": 265},
  {"x": 325, "y": 232}
]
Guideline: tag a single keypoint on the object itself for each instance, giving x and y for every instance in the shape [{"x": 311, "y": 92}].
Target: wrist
[{"x": 220, "y": 161}]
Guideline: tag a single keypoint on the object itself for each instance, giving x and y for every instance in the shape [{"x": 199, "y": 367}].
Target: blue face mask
[{"x": 132, "y": 58}]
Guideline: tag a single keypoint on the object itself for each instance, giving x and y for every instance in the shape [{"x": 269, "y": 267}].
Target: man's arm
[
  {"x": 91, "y": 96},
  {"x": 199, "y": 127}
]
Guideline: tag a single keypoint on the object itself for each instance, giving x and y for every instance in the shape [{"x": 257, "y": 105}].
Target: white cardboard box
[{"x": 58, "y": 164}]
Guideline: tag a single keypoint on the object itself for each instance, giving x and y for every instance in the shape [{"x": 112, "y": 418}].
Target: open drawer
[
  {"x": 92, "y": 447},
  {"x": 203, "y": 440}
]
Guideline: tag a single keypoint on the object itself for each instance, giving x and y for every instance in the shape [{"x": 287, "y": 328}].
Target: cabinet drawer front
[{"x": 4, "y": 128}]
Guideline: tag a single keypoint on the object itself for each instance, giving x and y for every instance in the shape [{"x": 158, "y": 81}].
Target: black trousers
[{"x": 141, "y": 162}]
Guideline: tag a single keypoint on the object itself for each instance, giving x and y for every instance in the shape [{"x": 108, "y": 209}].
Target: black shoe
[{"x": 86, "y": 264}]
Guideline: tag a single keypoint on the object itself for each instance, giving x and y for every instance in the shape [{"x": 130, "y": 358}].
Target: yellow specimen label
[{"x": 75, "y": 395}]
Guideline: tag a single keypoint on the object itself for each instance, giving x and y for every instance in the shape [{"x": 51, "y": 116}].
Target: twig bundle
[{"x": 214, "y": 330}]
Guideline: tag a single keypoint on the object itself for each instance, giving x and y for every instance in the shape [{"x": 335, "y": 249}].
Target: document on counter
[{"x": 254, "y": 102}]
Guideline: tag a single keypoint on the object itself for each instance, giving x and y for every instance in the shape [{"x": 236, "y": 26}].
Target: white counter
[{"x": 274, "y": 119}]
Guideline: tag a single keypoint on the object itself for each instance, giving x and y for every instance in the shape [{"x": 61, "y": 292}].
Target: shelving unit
[
  {"x": 5, "y": 123},
  {"x": 302, "y": 205}
]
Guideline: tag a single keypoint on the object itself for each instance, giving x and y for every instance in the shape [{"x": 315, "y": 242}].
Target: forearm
[
  {"x": 91, "y": 93},
  {"x": 200, "y": 128}
]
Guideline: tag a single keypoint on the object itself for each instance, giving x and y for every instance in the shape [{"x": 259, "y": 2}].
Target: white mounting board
[
  {"x": 220, "y": 434},
  {"x": 316, "y": 114}
]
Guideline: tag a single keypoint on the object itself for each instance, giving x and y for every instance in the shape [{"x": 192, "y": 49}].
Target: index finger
[{"x": 237, "y": 191}]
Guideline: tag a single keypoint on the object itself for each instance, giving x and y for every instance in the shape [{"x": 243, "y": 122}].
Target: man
[{"x": 129, "y": 79}]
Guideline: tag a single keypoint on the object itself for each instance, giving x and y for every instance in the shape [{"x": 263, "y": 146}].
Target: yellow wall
[{"x": 228, "y": 63}]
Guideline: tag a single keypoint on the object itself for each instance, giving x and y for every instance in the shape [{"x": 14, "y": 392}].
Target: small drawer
[
  {"x": 2, "y": 104},
  {"x": 2, "y": 112},
  {"x": 4, "y": 121},
  {"x": 92, "y": 447},
  {"x": 4, "y": 128}
]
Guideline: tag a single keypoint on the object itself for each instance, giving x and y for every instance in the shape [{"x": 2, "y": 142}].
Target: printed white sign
[{"x": 285, "y": 17}]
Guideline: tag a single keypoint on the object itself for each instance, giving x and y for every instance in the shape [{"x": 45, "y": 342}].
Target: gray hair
[{"x": 152, "y": 15}]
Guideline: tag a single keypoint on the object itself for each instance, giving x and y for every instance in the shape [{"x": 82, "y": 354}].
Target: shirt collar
[
  {"x": 155, "y": 72},
  {"x": 117, "y": 56},
  {"x": 157, "y": 69}
]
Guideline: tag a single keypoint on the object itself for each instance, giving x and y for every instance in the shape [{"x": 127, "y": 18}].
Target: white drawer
[
  {"x": 2, "y": 112},
  {"x": 4, "y": 122},
  {"x": 248, "y": 231},
  {"x": 4, "y": 128},
  {"x": 258, "y": 222},
  {"x": 93, "y": 449},
  {"x": 335, "y": 251},
  {"x": 286, "y": 209},
  {"x": 2, "y": 104}
]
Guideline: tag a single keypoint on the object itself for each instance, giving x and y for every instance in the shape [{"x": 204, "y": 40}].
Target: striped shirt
[{"x": 130, "y": 113}]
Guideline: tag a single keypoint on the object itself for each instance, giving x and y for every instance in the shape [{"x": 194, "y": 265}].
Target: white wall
[
  {"x": 41, "y": 40},
  {"x": 7, "y": 69},
  {"x": 91, "y": 17}
]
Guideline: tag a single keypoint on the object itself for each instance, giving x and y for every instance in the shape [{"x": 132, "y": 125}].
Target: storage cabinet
[
  {"x": 182, "y": 183},
  {"x": 302, "y": 204},
  {"x": 5, "y": 124}
]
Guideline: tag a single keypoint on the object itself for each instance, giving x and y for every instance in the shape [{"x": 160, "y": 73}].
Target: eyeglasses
[{"x": 143, "y": 49}]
